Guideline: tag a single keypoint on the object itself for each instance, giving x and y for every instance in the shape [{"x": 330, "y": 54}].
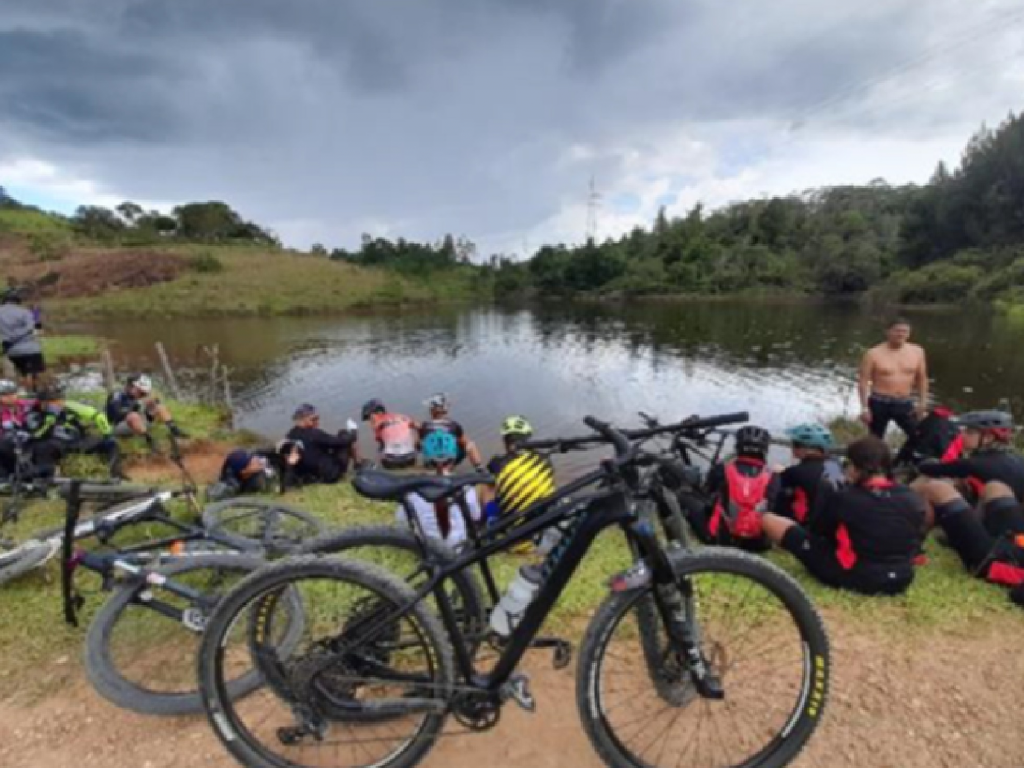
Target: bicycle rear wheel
[
  {"x": 400, "y": 552},
  {"x": 758, "y": 634},
  {"x": 252, "y": 522},
  {"x": 359, "y": 655},
  {"x": 144, "y": 661}
]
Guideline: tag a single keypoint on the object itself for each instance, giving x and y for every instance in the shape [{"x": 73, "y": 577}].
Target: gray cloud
[{"x": 326, "y": 117}]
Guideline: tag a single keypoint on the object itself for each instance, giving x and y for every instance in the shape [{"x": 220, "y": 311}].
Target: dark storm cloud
[{"x": 328, "y": 116}]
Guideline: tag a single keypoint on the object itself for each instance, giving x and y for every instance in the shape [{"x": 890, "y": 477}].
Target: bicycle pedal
[
  {"x": 518, "y": 689},
  {"x": 562, "y": 656}
]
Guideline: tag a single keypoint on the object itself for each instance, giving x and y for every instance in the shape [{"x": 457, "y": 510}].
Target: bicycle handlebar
[{"x": 612, "y": 435}]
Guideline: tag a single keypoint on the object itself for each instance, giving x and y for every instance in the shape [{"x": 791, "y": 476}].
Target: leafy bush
[
  {"x": 206, "y": 263},
  {"x": 937, "y": 283},
  {"x": 49, "y": 246}
]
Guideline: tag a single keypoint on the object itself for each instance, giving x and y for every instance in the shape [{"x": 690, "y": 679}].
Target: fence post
[
  {"x": 228, "y": 401},
  {"x": 109, "y": 380},
  {"x": 172, "y": 382}
]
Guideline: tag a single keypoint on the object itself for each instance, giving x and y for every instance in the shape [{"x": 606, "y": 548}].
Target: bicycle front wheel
[{"x": 758, "y": 634}]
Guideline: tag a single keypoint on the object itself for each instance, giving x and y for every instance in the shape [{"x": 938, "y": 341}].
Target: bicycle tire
[
  {"x": 218, "y": 517},
  {"x": 30, "y": 555},
  {"x": 115, "y": 686},
  {"x": 474, "y": 611},
  {"x": 799, "y": 727},
  {"x": 223, "y": 717}
]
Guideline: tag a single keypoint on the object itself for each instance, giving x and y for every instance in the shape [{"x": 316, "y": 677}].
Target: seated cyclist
[
  {"x": 863, "y": 537},
  {"x": 741, "y": 490},
  {"x": 253, "y": 471},
  {"x": 134, "y": 409},
  {"x": 521, "y": 477},
  {"x": 395, "y": 435},
  {"x": 324, "y": 458},
  {"x": 440, "y": 421},
  {"x": 60, "y": 427},
  {"x": 800, "y": 483},
  {"x": 989, "y": 476},
  {"x": 442, "y": 519}
]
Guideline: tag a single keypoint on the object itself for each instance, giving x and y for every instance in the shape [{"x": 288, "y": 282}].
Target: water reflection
[{"x": 556, "y": 363}]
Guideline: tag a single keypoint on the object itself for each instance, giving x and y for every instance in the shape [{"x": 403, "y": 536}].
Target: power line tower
[{"x": 593, "y": 204}]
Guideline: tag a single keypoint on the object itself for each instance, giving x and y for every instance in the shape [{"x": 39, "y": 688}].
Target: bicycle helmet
[
  {"x": 516, "y": 426},
  {"x": 439, "y": 447},
  {"x": 371, "y": 407},
  {"x": 996, "y": 423},
  {"x": 8, "y": 387},
  {"x": 141, "y": 382},
  {"x": 810, "y": 436},
  {"x": 437, "y": 401},
  {"x": 751, "y": 440},
  {"x": 13, "y": 296},
  {"x": 50, "y": 392}
]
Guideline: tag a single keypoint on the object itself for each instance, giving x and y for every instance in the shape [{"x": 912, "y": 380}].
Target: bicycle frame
[{"x": 591, "y": 514}]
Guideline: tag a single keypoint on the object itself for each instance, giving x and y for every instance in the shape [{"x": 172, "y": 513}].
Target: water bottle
[
  {"x": 510, "y": 609},
  {"x": 549, "y": 540}
]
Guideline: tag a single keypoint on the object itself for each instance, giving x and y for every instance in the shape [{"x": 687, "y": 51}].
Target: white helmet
[
  {"x": 8, "y": 387},
  {"x": 141, "y": 382}
]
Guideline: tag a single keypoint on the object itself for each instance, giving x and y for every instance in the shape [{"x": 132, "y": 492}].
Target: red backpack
[{"x": 747, "y": 502}]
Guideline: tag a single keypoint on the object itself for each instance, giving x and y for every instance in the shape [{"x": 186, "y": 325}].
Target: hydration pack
[{"x": 747, "y": 501}]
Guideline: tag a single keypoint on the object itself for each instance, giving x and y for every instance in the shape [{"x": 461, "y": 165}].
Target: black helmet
[
  {"x": 371, "y": 407},
  {"x": 985, "y": 420},
  {"x": 13, "y": 295},
  {"x": 751, "y": 440},
  {"x": 54, "y": 391}
]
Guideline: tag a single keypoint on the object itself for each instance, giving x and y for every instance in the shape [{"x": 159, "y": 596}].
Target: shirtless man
[{"x": 889, "y": 374}]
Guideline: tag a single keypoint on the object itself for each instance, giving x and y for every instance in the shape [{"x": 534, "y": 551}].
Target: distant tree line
[{"x": 959, "y": 236}]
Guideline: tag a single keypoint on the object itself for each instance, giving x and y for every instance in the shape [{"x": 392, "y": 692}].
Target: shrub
[
  {"x": 49, "y": 246},
  {"x": 206, "y": 263}
]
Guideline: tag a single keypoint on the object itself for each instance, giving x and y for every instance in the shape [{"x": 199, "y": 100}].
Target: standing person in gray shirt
[{"x": 20, "y": 343}]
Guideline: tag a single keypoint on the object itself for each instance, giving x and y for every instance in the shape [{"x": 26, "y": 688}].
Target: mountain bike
[
  {"x": 376, "y": 674},
  {"x": 140, "y": 647}
]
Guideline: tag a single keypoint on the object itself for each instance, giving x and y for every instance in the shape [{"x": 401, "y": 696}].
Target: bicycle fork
[{"x": 677, "y": 606}]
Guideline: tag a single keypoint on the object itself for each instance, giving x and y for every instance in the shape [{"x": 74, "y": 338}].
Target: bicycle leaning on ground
[{"x": 742, "y": 678}]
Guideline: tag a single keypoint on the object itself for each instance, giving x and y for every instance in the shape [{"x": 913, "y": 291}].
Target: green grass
[
  {"x": 64, "y": 347},
  {"x": 29, "y": 222},
  {"x": 257, "y": 281}
]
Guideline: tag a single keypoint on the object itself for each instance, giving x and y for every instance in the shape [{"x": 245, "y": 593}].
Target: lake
[{"x": 556, "y": 363}]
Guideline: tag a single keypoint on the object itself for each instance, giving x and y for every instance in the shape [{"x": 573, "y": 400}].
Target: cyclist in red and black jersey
[
  {"x": 801, "y": 483},
  {"x": 865, "y": 537},
  {"x": 987, "y": 539},
  {"x": 741, "y": 490}
]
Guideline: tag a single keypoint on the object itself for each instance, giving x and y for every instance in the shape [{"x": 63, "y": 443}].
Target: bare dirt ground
[
  {"x": 92, "y": 272},
  {"x": 903, "y": 702}
]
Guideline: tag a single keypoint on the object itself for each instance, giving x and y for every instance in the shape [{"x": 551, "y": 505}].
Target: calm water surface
[{"x": 555, "y": 364}]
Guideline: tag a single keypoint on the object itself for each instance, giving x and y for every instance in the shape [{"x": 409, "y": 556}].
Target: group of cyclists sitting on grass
[
  {"x": 39, "y": 430},
  {"x": 845, "y": 515}
]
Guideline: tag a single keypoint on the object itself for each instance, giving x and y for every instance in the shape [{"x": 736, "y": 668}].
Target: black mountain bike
[{"x": 744, "y": 675}]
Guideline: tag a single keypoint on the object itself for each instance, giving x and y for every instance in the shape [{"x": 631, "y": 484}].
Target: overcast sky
[{"x": 324, "y": 119}]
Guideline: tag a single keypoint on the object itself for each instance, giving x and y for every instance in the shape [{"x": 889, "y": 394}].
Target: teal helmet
[
  {"x": 811, "y": 436},
  {"x": 439, "y": 447}
]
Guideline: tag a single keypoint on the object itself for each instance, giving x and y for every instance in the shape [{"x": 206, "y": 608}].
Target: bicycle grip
[
  {"x": 606, "y": 430},
  {"x": 717, "y": 421}
]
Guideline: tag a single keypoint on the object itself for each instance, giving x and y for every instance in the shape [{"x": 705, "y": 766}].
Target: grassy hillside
[
  {"x": 254, "y": 281},
  {"x": 178, "y": 280}
]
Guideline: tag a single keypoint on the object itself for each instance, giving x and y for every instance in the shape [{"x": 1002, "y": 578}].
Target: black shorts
[
  {"x": 28, "y": 365},
  {"x": 818, "y": 556},
  {"x": 398, "y": 462},
  {"x": 885, "y": 409}
]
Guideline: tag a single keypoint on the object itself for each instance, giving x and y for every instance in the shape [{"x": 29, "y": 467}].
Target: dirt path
[{"x": 943, "y": 702}]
